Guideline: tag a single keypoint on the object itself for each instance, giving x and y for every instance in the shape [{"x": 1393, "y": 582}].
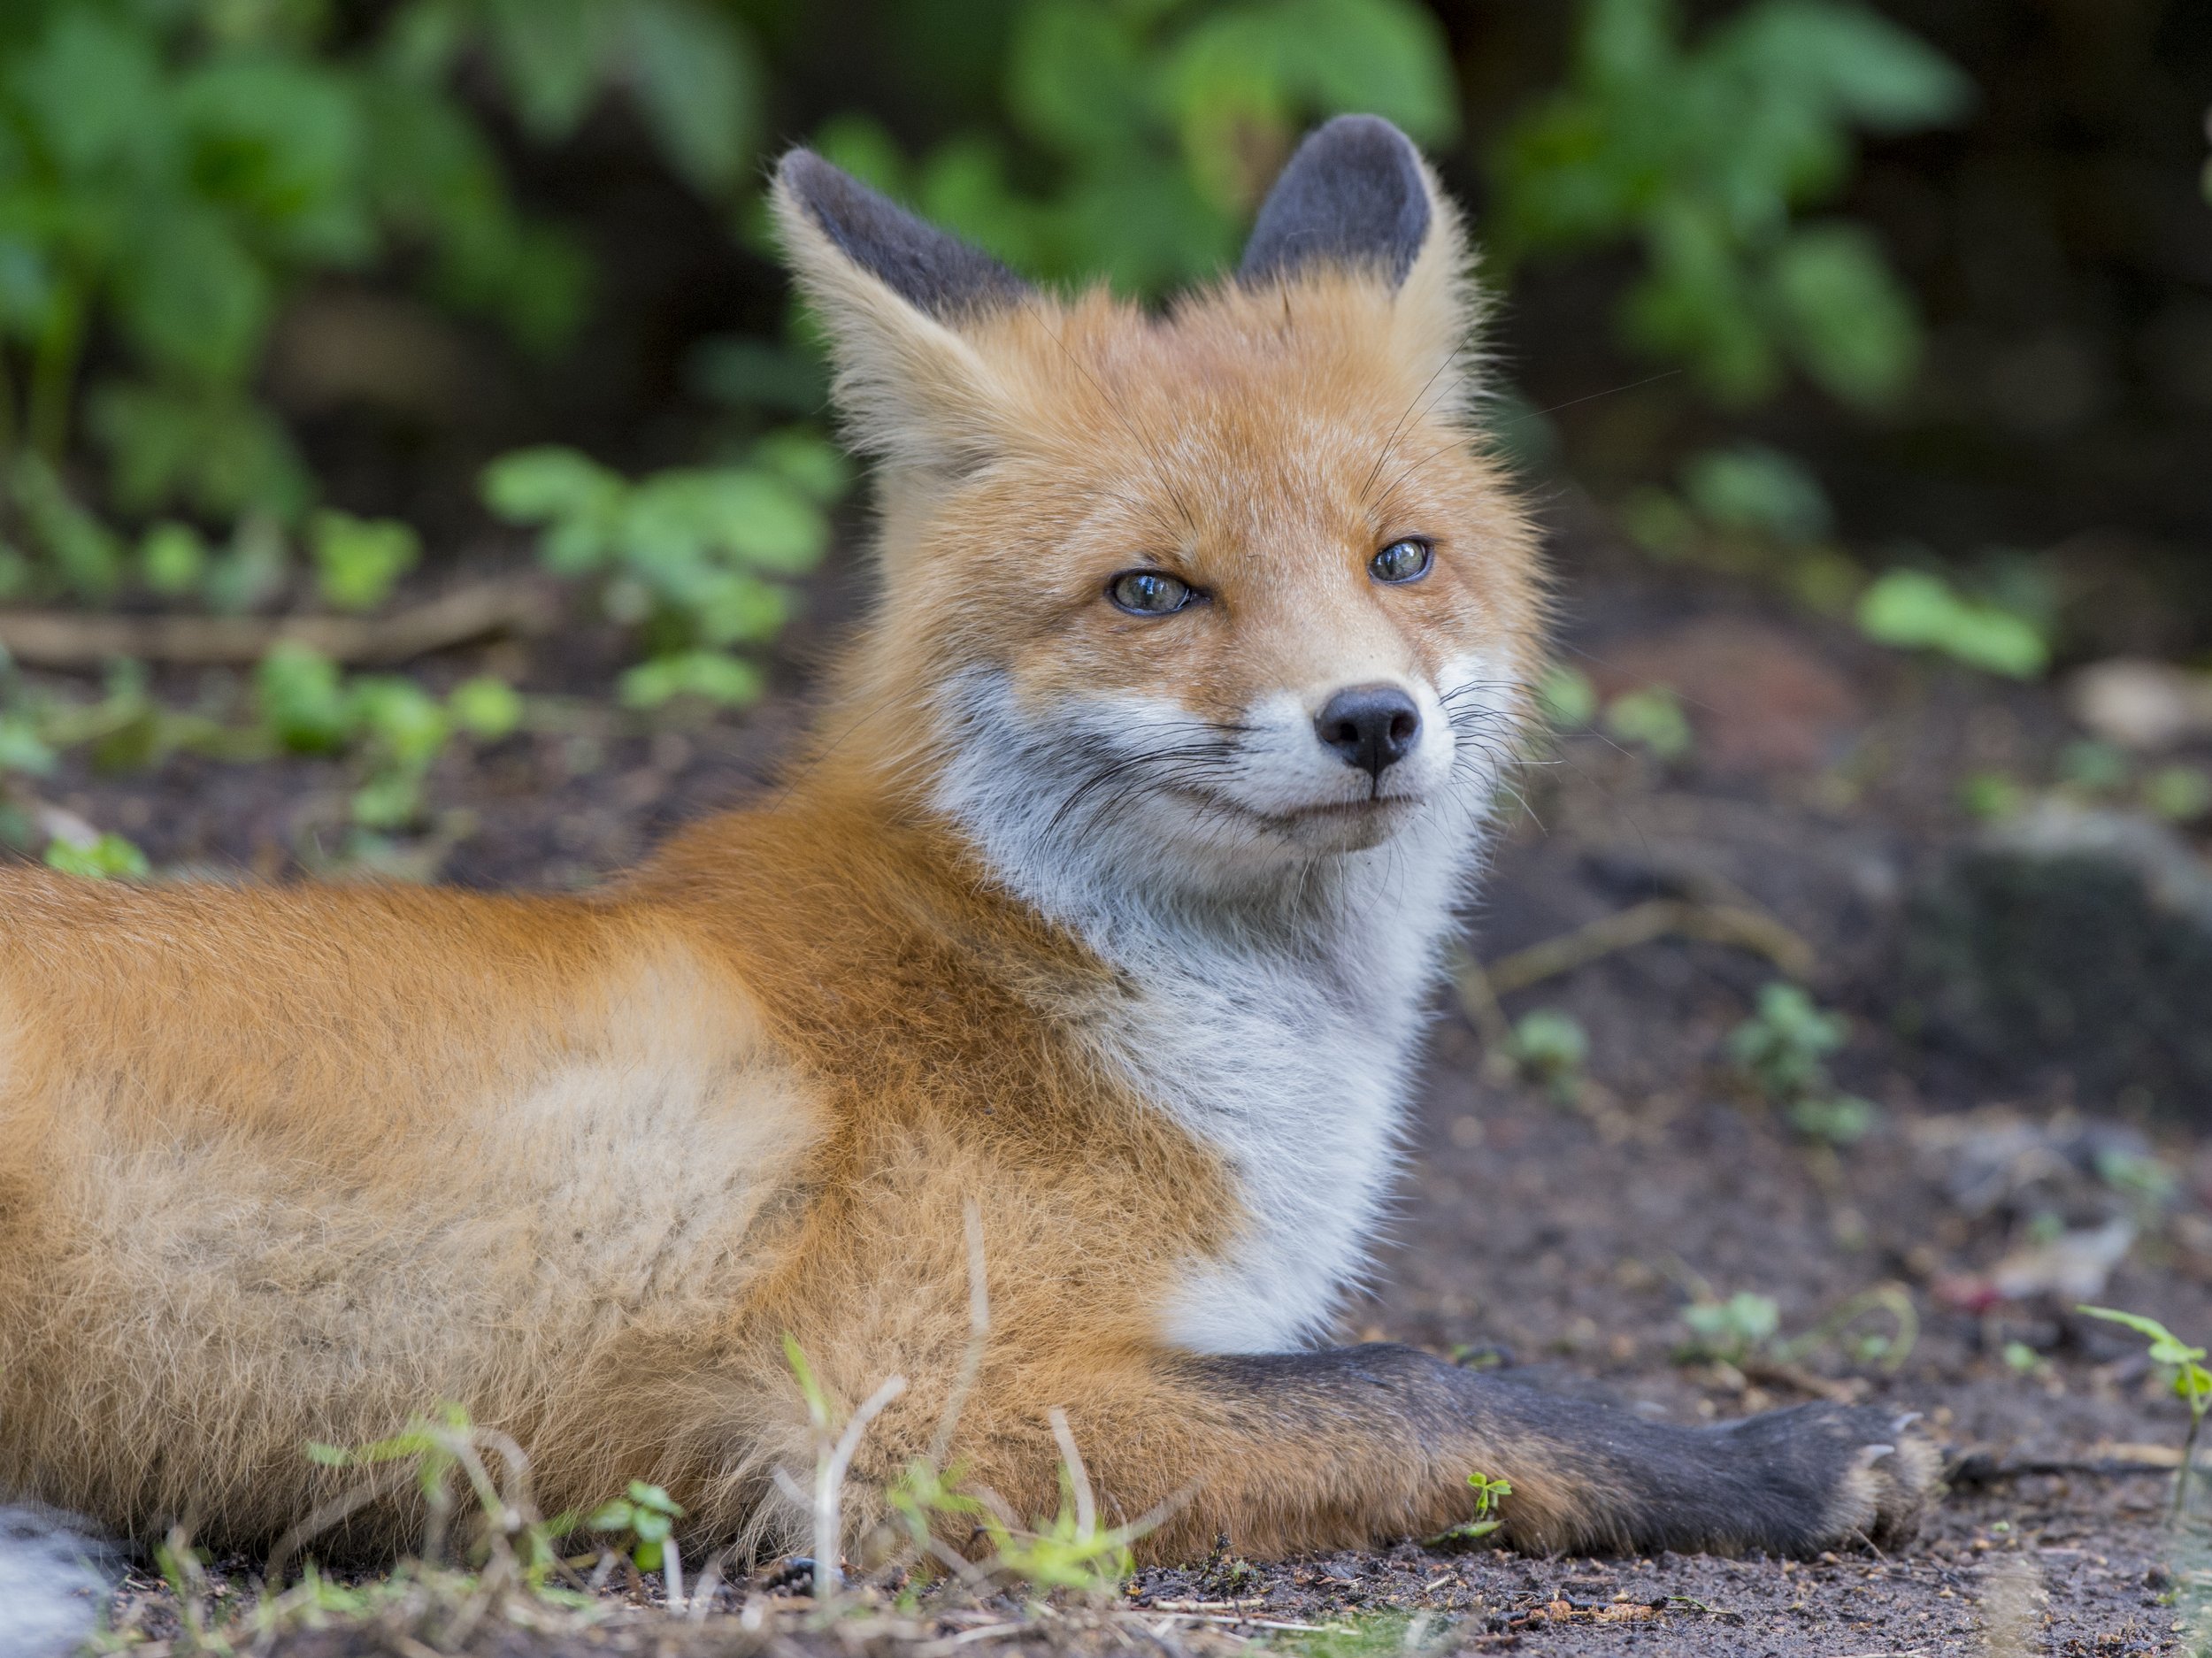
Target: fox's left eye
[
  {"x": 1151, "y": 592},
  {"x": 1407, "y": 560}
]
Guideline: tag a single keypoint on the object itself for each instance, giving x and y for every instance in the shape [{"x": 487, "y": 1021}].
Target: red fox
[{"x": 1104, "y": 906}]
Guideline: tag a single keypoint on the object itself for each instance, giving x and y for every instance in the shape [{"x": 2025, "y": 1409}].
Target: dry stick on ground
[
  {"x": 1481, "y": 984},
  {"x": 1734, "y": 925},
  {"x": 70, "y": 639},
  {"x": 1979, "y": 1468}
]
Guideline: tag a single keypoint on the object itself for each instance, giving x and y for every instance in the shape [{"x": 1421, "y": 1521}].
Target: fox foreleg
[{"x": 1357, "y": 1446}]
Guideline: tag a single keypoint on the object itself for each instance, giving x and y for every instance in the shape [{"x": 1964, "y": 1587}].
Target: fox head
[{"x": 1172, "y": 602}]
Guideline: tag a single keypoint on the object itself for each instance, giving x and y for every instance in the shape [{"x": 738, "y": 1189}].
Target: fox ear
[
  {"x": 893, "y": 293},
  {"x": 1357, "y": 194},
  {"x": 1354, "y": 193}
]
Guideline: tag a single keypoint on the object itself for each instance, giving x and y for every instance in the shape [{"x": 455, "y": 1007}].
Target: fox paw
[{"x": 1834, "y": 1476}]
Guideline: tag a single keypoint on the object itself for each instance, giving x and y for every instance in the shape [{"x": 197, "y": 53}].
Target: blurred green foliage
[
  {"x": 696, "y": 559},
  {"x": 175, "y": 172},
  {"x": 1163, "y": 124},
  {"x": 172, "y": 171},
  {"x": 1703, "y": 154},
  {"x": 1917, "y": 609}
]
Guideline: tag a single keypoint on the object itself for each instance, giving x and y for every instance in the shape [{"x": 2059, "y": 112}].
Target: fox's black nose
[{"x": 1372, "y": 726}]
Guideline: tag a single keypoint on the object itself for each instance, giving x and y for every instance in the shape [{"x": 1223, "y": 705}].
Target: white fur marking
[{"x": 1281, "y": 983}]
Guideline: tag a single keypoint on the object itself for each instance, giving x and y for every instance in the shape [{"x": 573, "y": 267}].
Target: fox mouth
[{"x": 1294, "y": 818}]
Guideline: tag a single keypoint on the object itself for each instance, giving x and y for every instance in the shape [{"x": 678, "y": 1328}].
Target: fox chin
[{"x": 1091, "y": 943}]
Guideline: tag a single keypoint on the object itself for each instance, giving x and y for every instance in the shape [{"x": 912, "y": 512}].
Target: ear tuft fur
[
  {"x": 930, "y": 269},
  {"x": 1354, "y": 193}
]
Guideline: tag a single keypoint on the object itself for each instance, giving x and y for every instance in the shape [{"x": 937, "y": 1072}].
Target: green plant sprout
[
  {"x": 1747, "y": 509},
  {"x": 646, "y": 1516},
  {"x": 1569, "y": 701},
  {"x": 1652, "y": 719},
  {"x": 1551, "y": 1047},
  {"x": 1783, "y": 1048},
  {"x": 1488, "y": 1493},
  {"x": 698, "y": 560},
  {"x": 833, "y": 1451},
  {"x": 108, "y": 857},
  {"x": 1745, "y": 1326},
  {"x": 1070, "y": 1551},
  {"x": 1705, "y": 152},
  {"x": 399, "y": 729},
  {"x": 1916, "y": 609},
  {"x": 2192, "y": 1383},
  {"x": 1729, "y": 1331},
  {"x": 358, "y": 561},
  {"x": 440, "y": 1444},
  {"x": 1752, "y": 489},
  {"x": 184, "y": 1570}
]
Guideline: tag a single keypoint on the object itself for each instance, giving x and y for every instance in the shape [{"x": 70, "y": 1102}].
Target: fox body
[{"x": 1103, "y": 908}]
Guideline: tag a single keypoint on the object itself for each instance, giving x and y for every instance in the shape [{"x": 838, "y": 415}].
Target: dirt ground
[{"x": 1565, "y": 1237}]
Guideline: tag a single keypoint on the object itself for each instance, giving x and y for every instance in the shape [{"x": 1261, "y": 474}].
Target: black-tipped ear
[
  {"x": 1353, "y": 194},
  {"x": 929, "y": 268}
]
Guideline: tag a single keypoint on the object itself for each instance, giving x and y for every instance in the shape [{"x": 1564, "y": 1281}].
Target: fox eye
[
  {"x": 1149, "y": 591},
  {"x": 1407, "y": 560}
]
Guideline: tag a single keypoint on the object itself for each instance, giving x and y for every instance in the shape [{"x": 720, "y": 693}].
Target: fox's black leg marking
[{"x": 1588, "y": 1476}]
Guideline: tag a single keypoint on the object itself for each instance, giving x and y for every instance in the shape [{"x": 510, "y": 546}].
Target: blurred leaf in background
[
  {"x": 172, "y": 171},
  {"x": 696, "y": 560},
  {"x": 1162, "y": 124},
  {"x": 1704, "y": 153}
]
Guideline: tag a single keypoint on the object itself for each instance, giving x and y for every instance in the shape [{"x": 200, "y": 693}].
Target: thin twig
[
  {"x": 1735, "y": 925},
  {"x": 829, "y": 1488},
  {"x": 1479, "y": 997},
  {"x": 71, "y": 638},
  {"x": 1977, "y": 1468},
  {"x": 978, "y": 1336},
  {"x": 1085, "y": 1502}
]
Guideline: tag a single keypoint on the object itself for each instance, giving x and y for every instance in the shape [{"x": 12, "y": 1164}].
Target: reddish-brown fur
[{"x": 295, "y": 1164}]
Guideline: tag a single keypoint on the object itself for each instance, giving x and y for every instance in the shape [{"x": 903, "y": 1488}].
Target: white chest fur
[
  {"x": 1300, "y": 1093},
  {"x": 1291, "y": 1057},
  {"x": 1277, "y": 1022}
]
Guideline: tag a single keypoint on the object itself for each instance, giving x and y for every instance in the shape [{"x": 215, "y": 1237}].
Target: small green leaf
[
  {"x": 358, "y": 561},
  {"x": 538, "y": 485},
  {"x": 2159, "y": 1335},
  {"x": 1846, "y": 317},
  {"x": 111, "y": 856},
  {"x": 1916, "y": 610},
  {"x": 654, "y": 1499},
  {"x": 486, "y": 708},
  {"x": 303, "y": 700},
  {"x": 172, "y": 558},
  {"x": 701, "y": 673},
  {"x": 1567, "y": 697},
  {"x": 1652, "y": 717},
  {"x": 409, "y": 723},
  {"x": 612, "y": 1517},
  {"x": 22, "y": 746},
  {"x": 699, "y": 86},
  {"x": 1753, "y": 488}
]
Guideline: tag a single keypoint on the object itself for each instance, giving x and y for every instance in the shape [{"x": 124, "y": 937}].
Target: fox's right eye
[{"x": 1149, "y": 591}]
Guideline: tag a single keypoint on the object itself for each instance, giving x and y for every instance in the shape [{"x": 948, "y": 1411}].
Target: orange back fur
[{"x": 290, "y": 1164}]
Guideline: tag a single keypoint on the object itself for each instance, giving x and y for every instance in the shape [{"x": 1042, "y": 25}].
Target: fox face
[{"x": 1198, "y": 596}]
